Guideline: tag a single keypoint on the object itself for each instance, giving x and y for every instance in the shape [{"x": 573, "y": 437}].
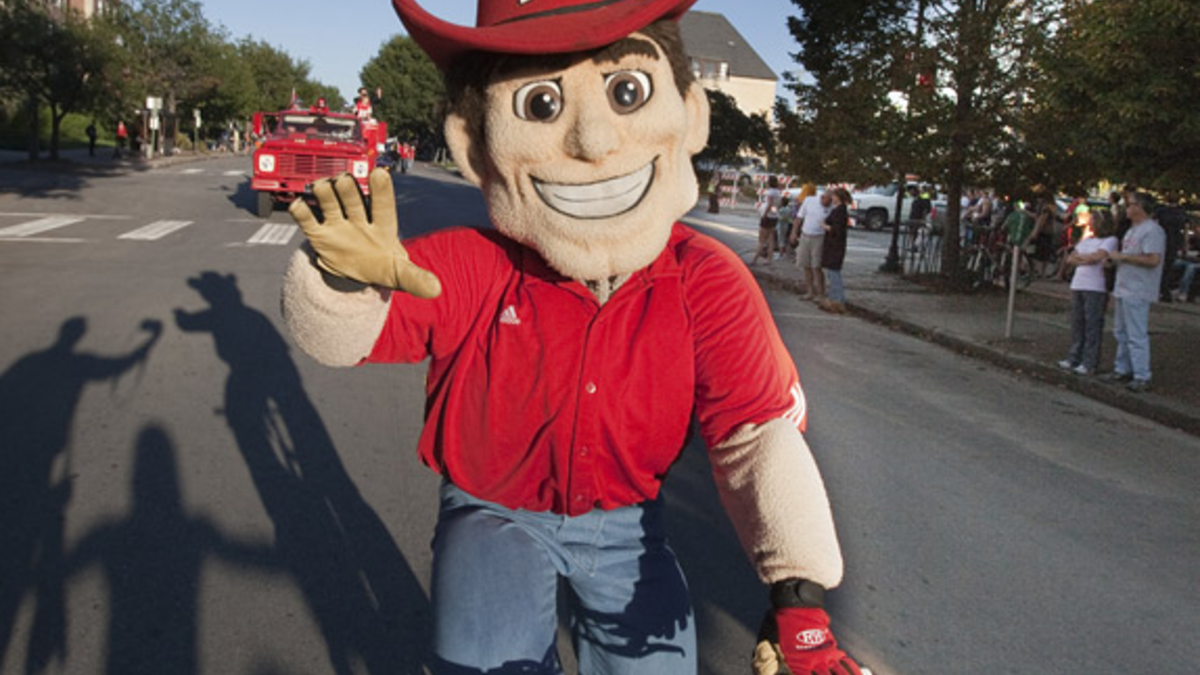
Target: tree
[
  {"x": 940, "y": 88},
  {"x": 1123, "y": 90},
  {"x": 412, "y": 89},
  {"x": 729, "y": 128},
  {"x": 52, "y": 59}
]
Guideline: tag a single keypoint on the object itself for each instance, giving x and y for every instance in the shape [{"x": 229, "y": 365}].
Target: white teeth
[{"x": 598, "y": 200}]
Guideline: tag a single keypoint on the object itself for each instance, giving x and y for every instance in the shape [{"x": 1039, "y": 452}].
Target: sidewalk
[
  {"x": 974, "y": 325},
  {"x": 78, "y": 159}
]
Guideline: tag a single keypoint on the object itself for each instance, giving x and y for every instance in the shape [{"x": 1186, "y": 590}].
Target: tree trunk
[
  {"x": 56, "y": 119},
  {"x": 34, "y": 129}
]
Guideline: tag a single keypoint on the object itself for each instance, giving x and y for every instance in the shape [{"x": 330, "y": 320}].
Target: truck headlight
[
  {"x": 266, "y": 163},
  {"x": 360, "y": 169}
]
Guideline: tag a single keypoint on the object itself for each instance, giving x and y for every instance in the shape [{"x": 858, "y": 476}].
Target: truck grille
[{"x": 311, "y": 165}]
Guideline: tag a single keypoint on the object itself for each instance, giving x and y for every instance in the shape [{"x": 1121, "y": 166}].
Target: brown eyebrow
[{"x": 630, "y": 46}]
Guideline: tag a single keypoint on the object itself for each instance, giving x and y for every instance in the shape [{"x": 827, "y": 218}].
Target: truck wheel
[
  {"x": 266, "y": 205},
  {"x": 876, "y": 220}
]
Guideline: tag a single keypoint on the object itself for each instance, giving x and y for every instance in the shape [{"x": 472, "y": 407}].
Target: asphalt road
[{"x": 183, "y": 492}]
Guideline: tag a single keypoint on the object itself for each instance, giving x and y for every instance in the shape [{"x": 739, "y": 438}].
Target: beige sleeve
[
  {"x": 334, "y": 320},
  {"x": 774, "y": 495}
]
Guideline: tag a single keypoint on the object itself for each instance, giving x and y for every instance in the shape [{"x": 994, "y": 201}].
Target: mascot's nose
[{"x": 593, "y": 134}]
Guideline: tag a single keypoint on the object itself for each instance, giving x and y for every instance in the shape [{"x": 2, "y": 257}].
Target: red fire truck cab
[{"x": 300, "y": 147}]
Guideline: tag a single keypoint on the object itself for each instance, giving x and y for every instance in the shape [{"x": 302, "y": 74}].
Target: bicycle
[{"x": 1024, "y": 268}]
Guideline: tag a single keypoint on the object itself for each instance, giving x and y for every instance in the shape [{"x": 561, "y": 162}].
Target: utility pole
[{"x": 892, "y": 262}]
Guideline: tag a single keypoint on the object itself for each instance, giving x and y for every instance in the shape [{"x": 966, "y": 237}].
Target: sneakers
[
  {"x": 1066, "y": 364},
  {"x": 1138, "y": 386},
  {"x": 1081, "y": 370},
  {"x": 1114, "y": 376}
]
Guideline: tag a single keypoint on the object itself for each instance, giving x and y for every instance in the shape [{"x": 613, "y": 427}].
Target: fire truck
[{"x": 300, "y": 147}]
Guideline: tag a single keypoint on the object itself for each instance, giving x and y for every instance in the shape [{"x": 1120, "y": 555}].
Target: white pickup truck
[{"x": 875, "y": 207}]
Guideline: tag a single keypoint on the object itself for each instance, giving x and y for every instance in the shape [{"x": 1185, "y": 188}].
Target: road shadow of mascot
[
  {"x": 362, "y": 591},
  {"x": 571, "y": 347}
]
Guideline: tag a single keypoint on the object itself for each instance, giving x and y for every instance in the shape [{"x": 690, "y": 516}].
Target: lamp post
[{"x": 892, "y": 262}]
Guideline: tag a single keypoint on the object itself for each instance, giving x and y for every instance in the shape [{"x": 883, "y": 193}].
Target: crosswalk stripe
[
  {"x": 276, "y": 234},
  {"x": 156, "y": 230},
  {"x": 38, "y": 226}
]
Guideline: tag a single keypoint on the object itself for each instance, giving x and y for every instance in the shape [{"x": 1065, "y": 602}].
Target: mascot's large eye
[
  {"x": 628, "y": 90},
  {"x": 538, "y": 101}
]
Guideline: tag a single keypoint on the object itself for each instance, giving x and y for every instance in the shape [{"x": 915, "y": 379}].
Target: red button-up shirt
[{"x": 541, "y": 398}]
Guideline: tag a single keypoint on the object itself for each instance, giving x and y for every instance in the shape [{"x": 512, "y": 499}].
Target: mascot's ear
[
  {"x": 466, "y": 149},
  {"x": 696, "y": 102}
]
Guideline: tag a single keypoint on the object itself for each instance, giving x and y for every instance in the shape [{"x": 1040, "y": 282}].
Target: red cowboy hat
[{"x": 534, "y": 26}]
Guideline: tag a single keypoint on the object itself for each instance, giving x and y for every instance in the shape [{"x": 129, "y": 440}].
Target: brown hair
[
  {"x": 467, "y": 78},
  {"x": 1103, "y": 224}
]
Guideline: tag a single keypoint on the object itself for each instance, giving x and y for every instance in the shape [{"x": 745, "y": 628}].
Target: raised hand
[{"x": 351, "y": 245}]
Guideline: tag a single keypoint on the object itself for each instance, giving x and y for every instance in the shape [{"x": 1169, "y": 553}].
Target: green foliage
[
  {"x": 1123, "y": 91},
  {"x": 55, "y": 58},
  {"x": 411, "y": 86},
  {"x": 729, "y": 129}
]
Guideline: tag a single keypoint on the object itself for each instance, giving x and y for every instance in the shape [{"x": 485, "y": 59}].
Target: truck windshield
[{"x": 318, "y": 126}]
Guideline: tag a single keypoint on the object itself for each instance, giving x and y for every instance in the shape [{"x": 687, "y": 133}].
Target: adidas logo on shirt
[{"x": 509, "y": 316}]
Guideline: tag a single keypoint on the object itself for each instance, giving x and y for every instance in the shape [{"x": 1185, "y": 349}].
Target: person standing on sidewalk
[
  {"x": 812, "y": 239},
  {"x": 91, "y": 134},
  {"x": 1089, "y": 295},
  {"x": 1139, "y": 273},
  {"x": 768, "y": 218},
  {"x": 833, "y": 253},
  {"x": 122, "y": 137}
]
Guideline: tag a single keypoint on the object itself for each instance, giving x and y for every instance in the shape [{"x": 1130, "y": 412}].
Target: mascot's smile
[{"x": 604, "y": 199}]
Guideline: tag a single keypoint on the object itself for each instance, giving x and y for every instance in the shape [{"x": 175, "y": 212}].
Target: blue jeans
[
  {"x": 1189, "y": 273},
  {"x": 496, "y": 576},
  {"x": 1131, "y": 327},
  {"x": 1087, "y": 327},
  {"x": 834, "y": 289}
]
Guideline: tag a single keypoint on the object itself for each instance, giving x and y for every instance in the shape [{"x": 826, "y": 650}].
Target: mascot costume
[{"x": 571, "y": 347}]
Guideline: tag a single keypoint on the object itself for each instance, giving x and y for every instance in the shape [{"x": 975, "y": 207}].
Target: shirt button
[
  {"x": 583, "y": 452},
  {"x": 590, "y": 387}
]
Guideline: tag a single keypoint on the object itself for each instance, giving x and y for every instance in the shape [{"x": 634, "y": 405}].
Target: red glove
[{"x": 797, "y": 641}]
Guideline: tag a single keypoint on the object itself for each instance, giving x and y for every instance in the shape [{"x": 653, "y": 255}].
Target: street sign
[{"x": 154, "y": 102}]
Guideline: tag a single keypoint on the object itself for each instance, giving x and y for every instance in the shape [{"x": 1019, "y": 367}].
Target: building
[
  {"x": 87, "y": 8},
  {"x": 724, "y": 61}
]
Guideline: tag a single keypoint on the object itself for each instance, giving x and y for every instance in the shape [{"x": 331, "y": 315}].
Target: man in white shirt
[{"x": 811, "y": 220}]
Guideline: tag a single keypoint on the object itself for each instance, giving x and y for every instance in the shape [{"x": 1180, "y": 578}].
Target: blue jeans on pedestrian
[
  {"x": 1189, "y": 273},
  {"x": 1087, "y": 327},
  {"x": 1131, "y": 328},
  {"x": 496, "y": 575},
  {"x": 834, "y": 289}
]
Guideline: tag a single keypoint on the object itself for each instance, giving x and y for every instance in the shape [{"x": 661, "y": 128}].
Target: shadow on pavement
[
  {"x": 38, "y": 398},
  {"x": 362, "y": 592}
]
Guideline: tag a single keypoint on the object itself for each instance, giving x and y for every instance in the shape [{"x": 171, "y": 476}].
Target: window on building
[{"x": 710, "y": 69}]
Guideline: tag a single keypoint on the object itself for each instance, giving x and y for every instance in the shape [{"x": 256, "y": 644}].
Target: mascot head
[{"x": 578, "y": 120}]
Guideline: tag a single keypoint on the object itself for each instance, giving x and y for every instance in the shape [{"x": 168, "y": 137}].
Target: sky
[{"x": 338, "y": 38}]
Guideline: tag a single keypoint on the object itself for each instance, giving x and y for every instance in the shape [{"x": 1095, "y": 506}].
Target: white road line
[
  {"x": 39, "y": 226},
  {"x": 156, "y": 230},
  {"x": 192, "y": 171},
  {"x": 46, "y": 240},
  {"x": 89, "y": 216},
  {"x": 234, "y": 173},
  {"x": 274, "y": 234}
]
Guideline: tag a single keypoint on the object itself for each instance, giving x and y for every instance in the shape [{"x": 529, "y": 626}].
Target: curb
[{"x": 1147, "y": 405}]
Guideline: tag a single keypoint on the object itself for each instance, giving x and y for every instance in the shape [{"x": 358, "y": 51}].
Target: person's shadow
[
  {"x": 152, "y": 561},
  {"x": 38, "y": 398},
  {"x": 363, "y": 593}
]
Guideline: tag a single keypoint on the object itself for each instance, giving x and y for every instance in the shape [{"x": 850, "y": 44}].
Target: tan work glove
[{"x": 351, "y": 246}]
